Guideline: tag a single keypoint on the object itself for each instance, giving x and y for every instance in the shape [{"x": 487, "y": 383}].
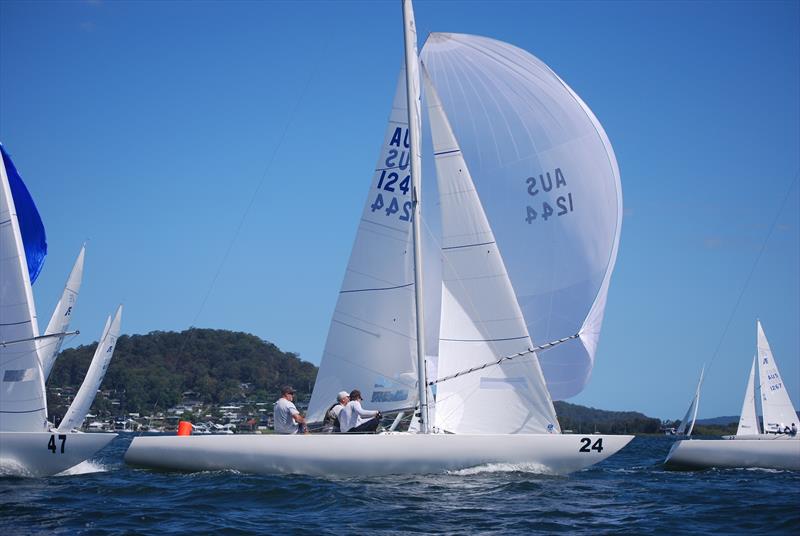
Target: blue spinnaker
[{"x": 30, "y": 224}]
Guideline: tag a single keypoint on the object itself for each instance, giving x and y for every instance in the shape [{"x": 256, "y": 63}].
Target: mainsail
[
  {"x": 372, "y": 342},
  {"x": 776, "y": 407},
  {"x": 748, "y": 421},
  {"x": 62, "y": 314},
  {"x": 80, "y": 406},
  {"x": 549, "y": 184},
  {"x": 480, "y": 316},
  {"x": 23, "y": 407}
]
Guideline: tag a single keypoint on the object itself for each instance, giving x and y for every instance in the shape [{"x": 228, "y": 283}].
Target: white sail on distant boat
[
  {"x": 748, "y": 420},
  {"x": 62, "y": 314},
  {"x": 492, "y": 403},
  {"x": 687, "y": 423},
  {"x": 776, "y": 408},
  {"x": 28, "y": 446},
  {"x": 777, "y": 447},
  {"x": 77, "y": 411}
]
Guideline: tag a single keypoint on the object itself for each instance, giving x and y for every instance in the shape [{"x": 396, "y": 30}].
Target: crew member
[
  {"x": 331, "y": 422},
  {"x": 287, "y": 418},
  {"x": 354, "y": 418}
]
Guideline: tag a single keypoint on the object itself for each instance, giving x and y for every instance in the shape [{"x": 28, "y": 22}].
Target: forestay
[
  {"x": 776, "y": 407},
  {"x": 371, "y": 342},
  {"x": 748, "y": 421},
  {"x": 80, "y": 406},
  {"x": 62, "y": 314},
  {"x": 480, "y": 317},
  {"x": 22, "y": 396},
  {"x": 548, "y": 180}
]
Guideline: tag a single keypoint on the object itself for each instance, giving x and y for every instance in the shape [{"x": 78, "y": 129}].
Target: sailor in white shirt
[
  {"x": 354, "y": 418},
  {"x": 287, "y": 418}
]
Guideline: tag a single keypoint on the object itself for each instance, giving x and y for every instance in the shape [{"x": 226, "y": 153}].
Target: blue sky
[{"x": 217, "y": 155}]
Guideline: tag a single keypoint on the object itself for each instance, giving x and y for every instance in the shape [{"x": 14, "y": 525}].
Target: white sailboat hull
[
  {"x": 779, "y": 453},
  {"x": 370, "y": 454},
  {"x": 40, "y": 454}
]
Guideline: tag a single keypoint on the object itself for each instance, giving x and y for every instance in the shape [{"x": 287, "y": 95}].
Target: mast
[{"x": 414, "y": 127}]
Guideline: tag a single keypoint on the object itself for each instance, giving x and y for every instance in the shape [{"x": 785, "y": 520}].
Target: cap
[
  {"x": 342, "y": 395},
  {"x": 286, "y": 389}
]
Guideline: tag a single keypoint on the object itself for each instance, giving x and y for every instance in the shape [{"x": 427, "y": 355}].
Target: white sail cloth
[
  {"x": 371, "y": 343},
  {"x": 480, "y": 316},
  {"x": 62, "y": 314},
  {"x": 776, "y": 407},
  {"x": 77, "y": 411},
  {"x": 23, "y": 407},
  {"x": 548, "y": 181},
  {"x": 748, "y": 420},
  {"x": 687, "y": 423}
]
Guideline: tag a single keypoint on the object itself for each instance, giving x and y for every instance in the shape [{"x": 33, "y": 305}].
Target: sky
[{"x": 216, "y": 157}]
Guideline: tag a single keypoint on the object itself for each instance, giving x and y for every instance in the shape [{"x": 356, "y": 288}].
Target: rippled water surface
[{"x": 629, "y": 492}]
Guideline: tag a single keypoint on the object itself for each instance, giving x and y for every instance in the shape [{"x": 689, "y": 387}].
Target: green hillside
[
  {"x": 154, "y": 370},
  {"x": 581, "y": 419}
]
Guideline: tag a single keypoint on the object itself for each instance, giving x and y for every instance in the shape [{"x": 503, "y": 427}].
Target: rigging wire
[
  {"x": 541, "y": 348},
  {"x": 753, "y": 268},
  {"x": 290, "y": 121}
]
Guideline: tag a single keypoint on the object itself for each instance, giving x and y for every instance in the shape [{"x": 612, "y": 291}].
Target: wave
[
  {"x": 84, "y": 468},
  {"x": 533, "y": 468}
]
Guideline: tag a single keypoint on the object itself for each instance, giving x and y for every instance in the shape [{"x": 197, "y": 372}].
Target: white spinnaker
[
  {"x": 80, "y": 406},
  {"x": 748, "y": 420},
  {"x": 549, "y": 183},
  {"x": 62, "y": 314},
  {"x": 371, "y": 343},
  {"x": 23, "y": 406},
  {"x": 687, "y": 423},
  {"x": 480, "y": 317},
  {"x": 776, "y": 407}
]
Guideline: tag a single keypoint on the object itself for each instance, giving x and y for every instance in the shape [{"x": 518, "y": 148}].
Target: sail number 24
[
  {"x": 586, "y": 445},
  {"x": 542, "y": 184},
  {"x": 51, "y": 445}
]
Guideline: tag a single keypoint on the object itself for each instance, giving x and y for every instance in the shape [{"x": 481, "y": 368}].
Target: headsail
[
  {"x": 31, "y": 227},
  {"x": 480, "y": 317},
  {"x": 80, "y": 406},
  {"x": 371, "y": 342},
  {"x": 23, "y": 406},
  {"x": 776, "y": 407},
  {"x": 549, "y": 184},
  {"x": 687, "y": 423},
  {"x": 62, "y": 314},
  {"x": 748, "y": 421}
]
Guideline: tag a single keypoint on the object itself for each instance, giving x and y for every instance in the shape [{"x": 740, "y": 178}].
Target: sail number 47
[
  {"x": 51, "y": 445},
  {"x": 586, "y": 441}
]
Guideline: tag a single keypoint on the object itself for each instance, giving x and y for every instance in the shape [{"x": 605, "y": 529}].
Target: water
[{"x": 629, "y": 492}]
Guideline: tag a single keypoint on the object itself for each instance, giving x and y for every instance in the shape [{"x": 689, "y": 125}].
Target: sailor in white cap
[{"x": 331, "y": 422}]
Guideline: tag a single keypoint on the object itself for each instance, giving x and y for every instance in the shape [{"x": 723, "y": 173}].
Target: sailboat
[
  {"x": 774, "y": 447},
  {"x": 541, "y": 266},
  {"x": 29, "y": 445}
]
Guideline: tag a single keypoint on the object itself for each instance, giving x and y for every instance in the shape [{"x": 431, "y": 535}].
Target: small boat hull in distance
[
  {"x": 40, "y": 454},
  {"x": 371, "y": 454},
  {"x": 782, "y": 452}
]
